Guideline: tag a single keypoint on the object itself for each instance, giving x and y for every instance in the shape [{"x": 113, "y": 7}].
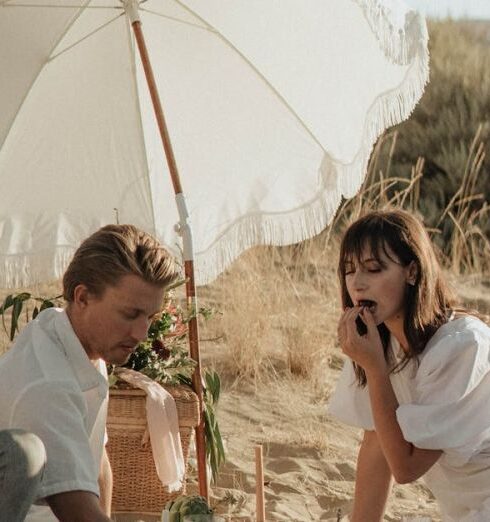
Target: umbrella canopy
[{"x": 272, "y": 106}]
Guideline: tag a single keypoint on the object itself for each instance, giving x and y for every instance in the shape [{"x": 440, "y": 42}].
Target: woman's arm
[
  {"x": 407, "y": 463},
  {"x": 373, "y": 481}
]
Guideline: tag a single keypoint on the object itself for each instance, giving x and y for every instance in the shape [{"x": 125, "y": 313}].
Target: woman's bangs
[{"x": 361, "y": 240}]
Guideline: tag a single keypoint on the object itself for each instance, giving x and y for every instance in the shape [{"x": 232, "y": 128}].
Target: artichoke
[{"x": 186, "y": 506}]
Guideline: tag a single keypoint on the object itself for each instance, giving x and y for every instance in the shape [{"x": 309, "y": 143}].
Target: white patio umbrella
[{"x": 272, "y": 107}]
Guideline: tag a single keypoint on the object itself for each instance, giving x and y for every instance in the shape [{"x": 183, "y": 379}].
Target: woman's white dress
[{"x": 444, "y": 403}]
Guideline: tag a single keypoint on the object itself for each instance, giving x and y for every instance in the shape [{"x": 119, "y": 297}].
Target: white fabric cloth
[
  {"x": 272, "y": 108},
  {"x": 443, "y": 404},
  {"x": 48, "y": 386},
  {"x": 163, "y": 425}
]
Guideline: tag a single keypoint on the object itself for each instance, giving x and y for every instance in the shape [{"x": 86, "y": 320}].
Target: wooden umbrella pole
[
  {"x": 189, "y": 264},
  {"x": 196, "y": 377},
  {"x": 157, "y": 107}
]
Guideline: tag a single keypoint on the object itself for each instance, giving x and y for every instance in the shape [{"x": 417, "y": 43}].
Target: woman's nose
[{"x": 359, "y": 281}]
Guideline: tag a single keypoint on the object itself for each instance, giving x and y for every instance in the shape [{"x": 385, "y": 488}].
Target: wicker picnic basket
[{"x": 136, "y": 484}]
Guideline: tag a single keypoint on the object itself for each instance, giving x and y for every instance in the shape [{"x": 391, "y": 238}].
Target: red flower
[{"x": 160, "y": 349}]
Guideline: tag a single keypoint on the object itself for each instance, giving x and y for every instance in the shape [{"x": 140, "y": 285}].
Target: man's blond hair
[{"x": 113, "y": 252}]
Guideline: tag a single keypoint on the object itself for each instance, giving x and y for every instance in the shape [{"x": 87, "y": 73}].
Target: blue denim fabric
[{"x": 22, "y": 461}]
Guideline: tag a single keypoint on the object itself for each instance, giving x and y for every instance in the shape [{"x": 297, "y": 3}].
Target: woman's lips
[{"x": 367, "y": 303}]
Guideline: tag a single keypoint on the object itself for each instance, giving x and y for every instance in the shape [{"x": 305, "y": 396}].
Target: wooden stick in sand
[{"x": 259, "y": 484}]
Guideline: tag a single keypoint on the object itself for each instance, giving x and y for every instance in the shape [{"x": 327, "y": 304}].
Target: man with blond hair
[{"x": 53, "y": 379}]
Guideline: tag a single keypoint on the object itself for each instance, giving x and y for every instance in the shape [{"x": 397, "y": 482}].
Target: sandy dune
[{"x": 309, "y": 458}]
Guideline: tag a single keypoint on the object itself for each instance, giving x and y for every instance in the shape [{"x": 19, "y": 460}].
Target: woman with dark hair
[{"x": 419, "y": 381}]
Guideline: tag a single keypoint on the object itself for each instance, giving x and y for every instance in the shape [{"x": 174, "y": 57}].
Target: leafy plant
[
  {"x": 215, "y": 450},
  {"x": 163, "y": 356},
  {"x": 16, "y": 302}
]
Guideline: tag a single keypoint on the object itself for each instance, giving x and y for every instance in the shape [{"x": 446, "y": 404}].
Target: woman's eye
[{"x": 374, "y": 270}]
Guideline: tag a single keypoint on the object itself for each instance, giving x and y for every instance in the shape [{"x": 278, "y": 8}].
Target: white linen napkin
[{"x": 163, "y": 425}]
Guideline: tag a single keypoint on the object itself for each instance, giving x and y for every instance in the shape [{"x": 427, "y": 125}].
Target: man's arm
[
  {"x": 77, "y": 506},
  {"x": 373, "y": 481},
  {"x": 105, "y": 484}
]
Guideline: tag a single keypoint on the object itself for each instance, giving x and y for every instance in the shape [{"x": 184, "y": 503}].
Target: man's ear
[
  {"x": 412, "y": 273},
  {"x": 81, "y": 296}
]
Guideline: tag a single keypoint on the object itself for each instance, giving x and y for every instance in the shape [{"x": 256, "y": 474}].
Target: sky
[{"x": 455, "y": 8}]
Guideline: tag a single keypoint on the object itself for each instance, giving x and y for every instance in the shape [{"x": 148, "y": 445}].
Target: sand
[{"x": 309, "y": 458}]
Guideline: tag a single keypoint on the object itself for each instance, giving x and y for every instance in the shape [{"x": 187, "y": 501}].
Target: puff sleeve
[
  {"x": 450, "y": 409},
  {"x": 349, "y": 402}
]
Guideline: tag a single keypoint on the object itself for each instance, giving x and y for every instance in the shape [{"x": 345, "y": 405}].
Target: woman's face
[{"x": 379, "y": 283}]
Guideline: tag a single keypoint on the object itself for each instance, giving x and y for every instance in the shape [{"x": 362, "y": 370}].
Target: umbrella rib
[
  {"x": 88, "y": 35},
  {"x": 70, "y": 24},
  {"x": 184, "y": 22},
  {"x": 5, "y": 3},
  {"x": 257, "y": 71}
]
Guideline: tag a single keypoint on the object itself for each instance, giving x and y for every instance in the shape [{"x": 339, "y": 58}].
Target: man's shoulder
[
  {"x": 37, "y": 355},
  {"x": 41, "y": 330},
  {"x": 24, "y": 403}
]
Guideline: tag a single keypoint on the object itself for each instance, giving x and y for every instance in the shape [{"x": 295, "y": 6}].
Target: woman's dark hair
[{"x": 428, "y": 302}]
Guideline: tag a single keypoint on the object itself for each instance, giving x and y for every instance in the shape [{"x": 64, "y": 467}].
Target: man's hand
[{"x": 77, "y": 506}]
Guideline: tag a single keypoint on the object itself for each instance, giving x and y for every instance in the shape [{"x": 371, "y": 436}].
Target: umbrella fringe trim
[
  {"x": 400, "y": 44},
  {"x": 337, "y": 179},
  {"x": 387, "y": 110},
  {"x": 20, "y": 271},
  {"x": 256, "y": 230}
]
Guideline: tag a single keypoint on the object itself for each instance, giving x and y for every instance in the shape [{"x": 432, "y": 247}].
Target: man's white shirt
[{"x": 49, "y": 386}]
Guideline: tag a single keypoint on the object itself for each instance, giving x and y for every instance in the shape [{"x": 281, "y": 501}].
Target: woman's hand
[{"x": 365, "y": 350}]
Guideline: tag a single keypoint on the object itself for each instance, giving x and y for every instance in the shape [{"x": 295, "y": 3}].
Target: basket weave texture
[{"x": 137, "y": 487}]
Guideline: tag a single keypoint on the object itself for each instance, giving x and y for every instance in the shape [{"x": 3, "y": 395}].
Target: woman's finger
[
  {"x": 344, "y": 319},
  {"x": 351, "y": 318},
  {"x": 368, "y": 318}
]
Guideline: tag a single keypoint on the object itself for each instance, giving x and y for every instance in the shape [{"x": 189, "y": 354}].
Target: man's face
[{"x": 110, "y": 326}]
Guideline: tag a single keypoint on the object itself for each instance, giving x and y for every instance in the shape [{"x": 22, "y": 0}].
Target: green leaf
[
  {"x": 214, "y": 444},
  {"x": 24, "y": 296},
  {"x": 46, "y": 303},
  {"x": 213, "y": 385},
  {"x": 8, "y": 302},
  {"x": 16, "y": 311}
]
